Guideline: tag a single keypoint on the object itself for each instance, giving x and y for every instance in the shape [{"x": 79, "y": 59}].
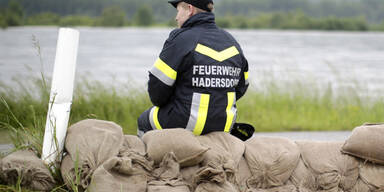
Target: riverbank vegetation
[
  {"x": 293, "y": 107},
  {"x": 290, "y": 14}
]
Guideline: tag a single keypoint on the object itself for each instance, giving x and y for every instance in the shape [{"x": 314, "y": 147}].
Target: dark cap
[{"x": 201, "y": 4}]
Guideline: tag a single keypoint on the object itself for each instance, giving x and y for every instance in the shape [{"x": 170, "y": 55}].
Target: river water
[{"x": 336, "y": 60}]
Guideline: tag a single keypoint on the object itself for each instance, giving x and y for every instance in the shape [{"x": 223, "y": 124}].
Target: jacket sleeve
[
  {"x": 163, "y": 75},
  {"x": 243, "y": 83}
]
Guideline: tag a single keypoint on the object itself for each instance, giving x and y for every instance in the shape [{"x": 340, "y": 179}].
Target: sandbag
[
  {"x": 27, "y": 166},
  {"x": 333, "y": 170},
  {"x": 285, "y": 188},
  {"x": 167, "y": 178},
  {"x": 366, "y": 142},
  {"x": 181, "y": 142},
  {"x": 67, "y": 170},
  {"x": 360, "y": 186},
  {"x": 372, "y": 174},
  {"x": 93, "y": 142},
  {"x": 127, "y": 172},
  {"x": 189, "y": 174},
  {"x": 222, "y": 144},
  {"x": 243, "y": 174},
  {"x": 134, "y": 143},
  {"x": 216, "y": 187},
  {"x": 213, "y": 178},
  {"x": 303, "y": 178},
  {"x": 271, "y": 161}
]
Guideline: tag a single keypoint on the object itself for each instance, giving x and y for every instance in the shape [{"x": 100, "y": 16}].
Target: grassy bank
[{"x": 295, "y": 107}]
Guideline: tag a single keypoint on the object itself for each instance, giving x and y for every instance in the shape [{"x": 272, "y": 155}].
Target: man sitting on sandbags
[{"x": 197, "y": 79}]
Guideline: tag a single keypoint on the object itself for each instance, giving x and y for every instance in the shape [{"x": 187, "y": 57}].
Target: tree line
[{"x": 266, "y": 14}]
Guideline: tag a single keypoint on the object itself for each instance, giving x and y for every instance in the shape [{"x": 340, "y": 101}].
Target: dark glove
[{"x": 242, "y": 131}]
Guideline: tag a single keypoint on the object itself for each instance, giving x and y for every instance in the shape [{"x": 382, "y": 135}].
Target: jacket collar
[{"x": 199, "y": 19}]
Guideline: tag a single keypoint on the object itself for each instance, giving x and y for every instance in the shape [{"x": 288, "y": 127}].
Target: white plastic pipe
[{"x": 61, "y": 95}]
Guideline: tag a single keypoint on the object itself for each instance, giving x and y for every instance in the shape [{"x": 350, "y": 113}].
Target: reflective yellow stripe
[
  {"x": 155, "y": 118},
  {"x": 246, "y": 75},
  {"x": 219, "y": 56},
  {"x": 202, "y": 114},
  {"x": 230, "y": 114},
  {"x": 167, "y": 70}
]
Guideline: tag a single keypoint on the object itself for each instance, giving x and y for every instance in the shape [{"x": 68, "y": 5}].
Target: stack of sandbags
[
  {"x": 331, "y": 170},
  {"x": 27, "y": 169},
  {"x": 367, "y": 144},
  {"x": 90, "y": 143},
  {"x": 271, "y": 161}
]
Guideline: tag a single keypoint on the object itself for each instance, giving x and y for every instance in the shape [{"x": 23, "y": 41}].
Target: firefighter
[{"x": 199, "y": 75}]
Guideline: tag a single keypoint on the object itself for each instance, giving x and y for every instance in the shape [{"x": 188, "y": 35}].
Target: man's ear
[{"x": 191, "y": 10}]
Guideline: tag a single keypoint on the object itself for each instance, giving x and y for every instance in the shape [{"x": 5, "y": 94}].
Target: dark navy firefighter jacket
[{"x": 198, "y": 77}]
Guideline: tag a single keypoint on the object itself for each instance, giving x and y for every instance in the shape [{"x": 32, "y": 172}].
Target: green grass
[
  {"x": 295, "y": 107},
  {"x": 307, "y": 109}
]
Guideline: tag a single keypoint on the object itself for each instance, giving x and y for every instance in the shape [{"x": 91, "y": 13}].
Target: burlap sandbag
[
  {"x": 243, "y": 174},
  {"x": 285, "y": 188},
  {"x": 134, "y": 143},
  {"x": 183, "y": 143},
  {"x": 333, "y": 170},
  {"x": 216, "y": 176},
  {"x": 129, "y": 171},
  {"x": 93, "y": 142},
  {"x": 360, "y": 186},
  {"x": 27, "y": 166},
  {"x": 303, "y": 178},
  {"x": 366, "y": 142},
  {"x": 67, "y": 170},
  {"x": 189, "y": 174},
  {"x": 373, "y": 175},
  {"x": 167, "y": 178},
  {"x": 271, "y": 161},
  {"x": 222, "y": 144}
]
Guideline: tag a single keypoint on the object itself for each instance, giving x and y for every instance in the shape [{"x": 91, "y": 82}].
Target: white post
[{"x": 61, "y": 95}]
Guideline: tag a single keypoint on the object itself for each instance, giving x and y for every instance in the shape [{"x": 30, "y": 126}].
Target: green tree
[
  {"x": 144, "y": 16},
  {"x": 14, "y": 14},
  {"x": 3, "y": 23},
  {"x": 77, "y": 20},
  {"x": 112, "y": 17},
  {"x": 45, "y": 18}
]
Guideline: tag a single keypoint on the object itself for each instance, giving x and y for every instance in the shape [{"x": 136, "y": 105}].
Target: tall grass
[
  {"x": 307, "y": 108},
  {"x": 295, "y": 107}
]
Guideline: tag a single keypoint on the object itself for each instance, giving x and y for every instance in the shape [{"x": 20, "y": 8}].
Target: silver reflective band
[
  {"x": 161, "y": 76},
  {"x": 194, "y": 111},
  {"x": 234, "y": 110},
  {"x": 151, "y": 118}
]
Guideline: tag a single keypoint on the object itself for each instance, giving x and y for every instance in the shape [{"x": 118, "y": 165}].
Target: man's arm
[
  {"x": 159, "y": 93},
  {"x": 163, "y": 75},
  {"x": 243, "y": 83}
]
